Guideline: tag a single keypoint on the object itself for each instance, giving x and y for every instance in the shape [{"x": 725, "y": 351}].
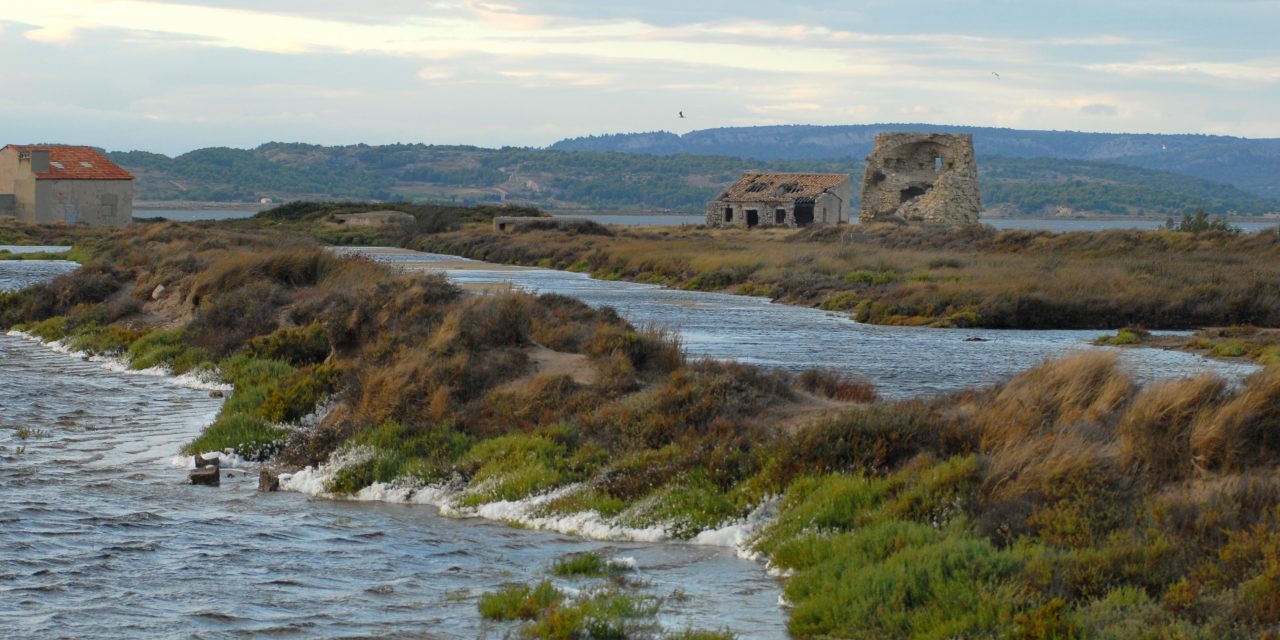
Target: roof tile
[
  {"x": 76, "y": 163},
  {"x": 774, "y": 186}
]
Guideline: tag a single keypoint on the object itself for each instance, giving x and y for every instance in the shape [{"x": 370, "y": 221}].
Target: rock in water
[
  {"x": 202, "y": 462},
  {"x": 216, "y": 393},
  {"x": 268, "y": 481},
  {"x": 207, "y": 476}
]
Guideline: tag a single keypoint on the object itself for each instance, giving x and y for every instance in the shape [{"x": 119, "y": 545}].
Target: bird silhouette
[
  {"x": 996, "y": 75},
  {"x": 681, "y": 114}
]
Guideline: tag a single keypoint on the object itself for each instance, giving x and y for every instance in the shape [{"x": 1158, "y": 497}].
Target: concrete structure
[
  {"x": 921, "y": 177},
  {"x": 783, "y": 200},
  {"x": 74, "y": 185}
]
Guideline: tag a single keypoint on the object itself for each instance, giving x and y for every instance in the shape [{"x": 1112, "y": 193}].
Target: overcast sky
[{"x": 175, "y": 75}]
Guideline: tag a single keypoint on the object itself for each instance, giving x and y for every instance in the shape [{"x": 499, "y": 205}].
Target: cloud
[{"x": 1100, "y": 110}]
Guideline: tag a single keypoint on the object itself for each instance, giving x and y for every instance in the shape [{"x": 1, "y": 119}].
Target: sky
[{"x": 170, "y": 76}]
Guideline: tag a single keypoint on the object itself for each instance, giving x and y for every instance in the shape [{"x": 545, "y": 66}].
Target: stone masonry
[{"x": 921, "y": 177}]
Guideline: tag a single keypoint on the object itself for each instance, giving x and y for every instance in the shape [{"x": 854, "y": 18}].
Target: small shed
[{"x": 782, "y": 200}]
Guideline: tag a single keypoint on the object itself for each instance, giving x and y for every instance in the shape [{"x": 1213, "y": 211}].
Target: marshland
[{"x": 1067, "y": 500}]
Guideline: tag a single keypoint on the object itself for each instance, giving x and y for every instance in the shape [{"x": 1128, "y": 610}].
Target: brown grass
[
  {"x": 934, "y": 276},
  {"x": 1155, "y": 433},
  {"x": 1244, "y": 431}
]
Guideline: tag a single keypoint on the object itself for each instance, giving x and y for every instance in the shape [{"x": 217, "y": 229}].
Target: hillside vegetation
[
  {"x": 1067, "y": 502},
  {"x": 1250, "y": 164},
  {"x": 627, "y": 181}
]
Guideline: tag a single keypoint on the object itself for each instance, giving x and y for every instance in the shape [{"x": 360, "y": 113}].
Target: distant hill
[
  {"x": 1251, "y": 164},
  {"x": 625, "y": 181}
]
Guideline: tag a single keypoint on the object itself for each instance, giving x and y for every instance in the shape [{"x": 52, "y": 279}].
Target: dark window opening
[
  {"x": 804, "y": 214},
  {"x": 877, "y": 177},
  {"x": 728, "y": 214},
  {"x": 779, "y": 216},
  {"x": 912, "y": 192},
  {"x": 753, "y": 217}
]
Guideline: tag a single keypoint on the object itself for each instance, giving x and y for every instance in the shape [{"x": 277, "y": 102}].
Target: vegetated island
[
  {"x": 1066, "y": 502},
  {"x": 972, "y": 276}
]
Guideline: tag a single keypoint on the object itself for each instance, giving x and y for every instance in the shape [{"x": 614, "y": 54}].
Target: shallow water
[
  {"x": 900, "y": 361},
  {"x": 100, "y": 536}
]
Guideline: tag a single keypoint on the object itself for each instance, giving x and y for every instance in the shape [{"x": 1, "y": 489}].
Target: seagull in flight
[{"x": 996, "y": 75}]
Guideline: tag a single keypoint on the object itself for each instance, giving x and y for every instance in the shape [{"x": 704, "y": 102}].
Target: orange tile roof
[
  {"x": 76, "y": 163},
  {"x": 786, "y": 186}
]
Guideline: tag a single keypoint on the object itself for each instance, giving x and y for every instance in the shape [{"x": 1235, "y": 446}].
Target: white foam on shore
[
  {"x": 741, "y": 534},
  {"x": 526, "y": 512},
  {"x": 203, "y": 380}
]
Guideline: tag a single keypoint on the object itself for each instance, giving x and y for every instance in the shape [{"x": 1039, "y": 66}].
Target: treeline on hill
[
  {"x": 626, "y": 181},
  {"x": 1067, "y": 502}
]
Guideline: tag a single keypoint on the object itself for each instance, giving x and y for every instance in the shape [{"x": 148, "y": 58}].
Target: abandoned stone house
[
  {"x": 782, "y": 199},
  {"x": 921, "y": 177},
  {"x": 74, "y": 185}
]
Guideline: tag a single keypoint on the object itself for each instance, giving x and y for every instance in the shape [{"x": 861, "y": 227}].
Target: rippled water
[
  {"x": 901, "y": 361},
  {"x": 100, "y": 536}
]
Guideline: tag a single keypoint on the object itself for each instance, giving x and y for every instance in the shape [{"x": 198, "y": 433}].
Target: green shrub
[
  {"x": 841, "y": 302},
  {"x": 519, "y": 601},
  {"x": 687, "y": 505},
  {"x": 513, "y": 467},
  {"x": 424, "y": 454},
  {"x": 166, "y": 349},
  {"x": 51, "y": 329},
  {"x": 588, "y": 564},
  {"x": 250, "y": 436},
  {"x": 291, "y": 398},
  {"x": 299, "y": 346},
  {"x": 1230, "y": 348}
]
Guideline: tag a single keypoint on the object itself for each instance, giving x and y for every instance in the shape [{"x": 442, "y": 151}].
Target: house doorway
[
  {"x": 804, "y": 214},
  {"x": 753, "y": 217},
  {"x": 779, "y": 216}
]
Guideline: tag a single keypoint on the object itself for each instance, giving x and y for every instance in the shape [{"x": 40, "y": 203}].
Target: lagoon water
[
  {"x": 100, "y": 537},
  {"x": 900, "y": 361}
]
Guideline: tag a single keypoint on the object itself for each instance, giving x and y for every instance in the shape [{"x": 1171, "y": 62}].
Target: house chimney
[{"x": 39, "y": 160}]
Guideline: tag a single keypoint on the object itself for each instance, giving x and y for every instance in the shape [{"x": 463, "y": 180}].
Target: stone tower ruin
[{"x": 921, "y": 177}]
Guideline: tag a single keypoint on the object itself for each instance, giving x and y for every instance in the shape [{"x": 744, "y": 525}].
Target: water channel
[
  {"x": 100, "y": 536},
  {"x": 900, "y": 361}
]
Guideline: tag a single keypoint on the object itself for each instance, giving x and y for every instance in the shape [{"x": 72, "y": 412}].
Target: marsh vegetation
[{"x": 1066, "y": 502}]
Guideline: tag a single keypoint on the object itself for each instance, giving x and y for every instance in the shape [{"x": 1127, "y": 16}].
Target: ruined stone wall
[
  {"x": 921, "y": 177},
  {"x": 766, "y": 213}
]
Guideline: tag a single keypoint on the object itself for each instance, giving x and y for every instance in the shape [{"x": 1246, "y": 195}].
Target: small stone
[
  {"x": 207, "y": 476},
  {"x": 268, "y": 481},
  {"x": 158, "y": 292},
  {"x": 202, "y": 462},
  {"x": 216, "y": 393}
]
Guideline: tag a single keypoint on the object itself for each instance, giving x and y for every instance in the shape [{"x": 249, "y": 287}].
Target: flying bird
[
  {"x": 681, "y": 114},
  {"x": 996, "y": 75}
]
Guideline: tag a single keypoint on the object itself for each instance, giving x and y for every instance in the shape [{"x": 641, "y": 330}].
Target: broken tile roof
[
  {"x": 75, "y": 163},
  {"x": 786, "y": 186}
]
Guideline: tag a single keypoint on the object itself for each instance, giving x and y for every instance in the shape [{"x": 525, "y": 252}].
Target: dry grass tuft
[
  {"x": 1155, "y": 433},
  {"x": 1245, "y": 430},
  {"x": 1086, "y": 387}
]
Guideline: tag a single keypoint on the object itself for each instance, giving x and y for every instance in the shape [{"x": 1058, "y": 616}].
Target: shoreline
[{"x": 944, "y": 510}]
